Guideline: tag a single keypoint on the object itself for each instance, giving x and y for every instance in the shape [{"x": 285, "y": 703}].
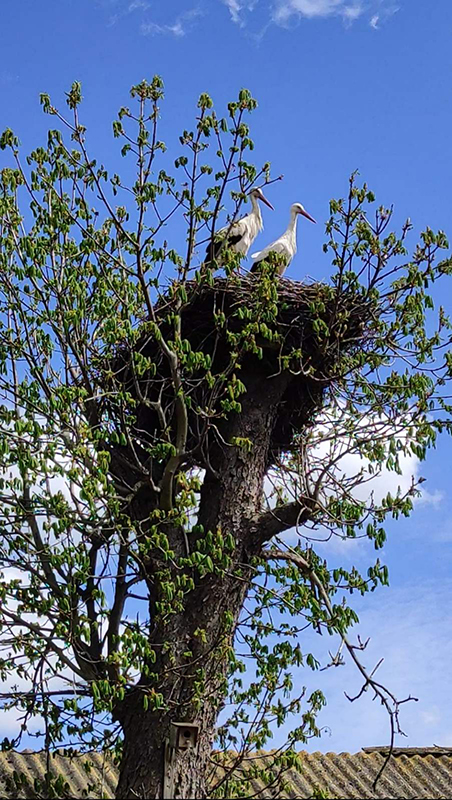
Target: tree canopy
[{"x": 162, "y": 427}]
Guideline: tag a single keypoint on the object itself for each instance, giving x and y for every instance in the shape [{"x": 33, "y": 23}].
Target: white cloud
[
  {"x": 128, "y": 8},
  {"x": 334, "y": 452},
  {"x": 308, "y": 8},
  {"x": 10, "y": 718},
  {"x": 137, "y": 5},
  {"x": 279, "y": 12},
  {"x": 390, "y": 481},
  {"x": 434, "y": 498},
  {"x": 286, "y": 11},
  {"x": 182, "y": 24},
  {"x": 350, "y": 13},
  {"x": 237, "y": 9},
  {"x": 381, "y": 15}
]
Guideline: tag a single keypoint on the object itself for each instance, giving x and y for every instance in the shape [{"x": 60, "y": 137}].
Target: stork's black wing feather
[
  {"x": 255, "y": 266},
  {"x": 213, "y": 248}
]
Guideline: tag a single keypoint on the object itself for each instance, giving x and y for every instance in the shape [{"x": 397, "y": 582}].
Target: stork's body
[
  {"x": 286, "y": 245},
  {"x": 241, "y": 234}
]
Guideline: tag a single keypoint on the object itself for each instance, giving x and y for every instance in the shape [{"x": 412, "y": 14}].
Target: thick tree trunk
[
  {"x": 190, "y": 696},
  {"x": 230, "y": 499},
  {"x": 144, "y": 773}
]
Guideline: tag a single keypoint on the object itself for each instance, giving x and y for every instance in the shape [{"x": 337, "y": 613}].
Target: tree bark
[
  {"x": 145, "y": 732},
  {"x": 143, "y": 763},
  {"x": 231, "y": 499}
]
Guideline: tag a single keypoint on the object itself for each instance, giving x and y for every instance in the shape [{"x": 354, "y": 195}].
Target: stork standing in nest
[
  {"x": 286, "y": 245},
  {"x": 239, "y": 236}
]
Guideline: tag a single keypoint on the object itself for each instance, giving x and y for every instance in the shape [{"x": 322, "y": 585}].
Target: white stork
[
  {"x": 241, "y": 234},
  {"x": 286, "y": 245}
]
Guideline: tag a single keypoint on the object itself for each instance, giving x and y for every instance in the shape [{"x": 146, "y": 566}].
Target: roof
[
  {"x": 412, "y": 773},
  {"x": 22, "y": 775}
]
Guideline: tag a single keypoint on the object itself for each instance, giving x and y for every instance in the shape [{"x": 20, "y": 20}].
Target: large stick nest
[{"x": 315, "y": 324}]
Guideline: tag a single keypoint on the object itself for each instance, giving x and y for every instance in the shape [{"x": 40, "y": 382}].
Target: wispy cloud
[
  {"x": 181, "y": 25},
  {"x": 382, "y": 15},
  {"x": 126, "y": 9},
  {"x": 238, "y": 8},
  {"x": 286, "y": 12},
  {"x": 350, "y": 13},
  {"x": 287, "y": 9},
  {"x": 136, "y": 5},
  {"x": 235, "y": 9}
]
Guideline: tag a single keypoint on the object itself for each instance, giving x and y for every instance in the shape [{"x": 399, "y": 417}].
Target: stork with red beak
[
  {"x": 241, "y": 234},
  {"x": 286, "y": 245}
]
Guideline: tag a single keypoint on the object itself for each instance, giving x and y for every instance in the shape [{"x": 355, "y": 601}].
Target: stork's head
[
  {"x": 297, "y": 208},
  {"x": 258, "y": 194}
]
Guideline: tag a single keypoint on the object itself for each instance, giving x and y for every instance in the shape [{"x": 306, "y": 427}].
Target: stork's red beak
[
  {"x": 308, "y": 216},
  {"x": 267, "y": 202}
]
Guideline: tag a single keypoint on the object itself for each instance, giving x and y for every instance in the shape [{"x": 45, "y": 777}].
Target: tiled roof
[
  {"x": 88, "y": 775},
  {"x": 411, "y": 774}
]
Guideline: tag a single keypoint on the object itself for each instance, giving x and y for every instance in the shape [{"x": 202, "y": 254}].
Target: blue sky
[{"x": 341, "y": 85}]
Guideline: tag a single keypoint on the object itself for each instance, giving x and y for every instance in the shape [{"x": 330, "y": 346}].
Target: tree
[{"x": 162, "y": 427}]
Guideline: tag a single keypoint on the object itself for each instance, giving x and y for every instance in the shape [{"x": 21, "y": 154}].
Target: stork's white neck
[
  {"x": 256, "y": 210},
  {"x": 292, "y": 226}
]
